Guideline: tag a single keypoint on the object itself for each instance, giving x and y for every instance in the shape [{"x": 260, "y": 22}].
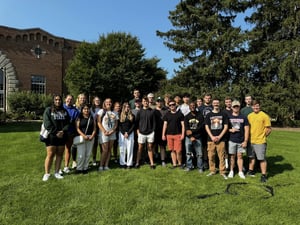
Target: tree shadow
[
  {"x": 20, "y": 126},
  {"x": 275, "y": 167}
]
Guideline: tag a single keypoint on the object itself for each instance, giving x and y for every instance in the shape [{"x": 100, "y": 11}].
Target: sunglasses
[{"x": 173, "y": 104}]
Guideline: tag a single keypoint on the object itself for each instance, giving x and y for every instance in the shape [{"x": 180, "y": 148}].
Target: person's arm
[
  {"x": 182, "y": 130},
  {"x": 246, "y": 136},
  {"x": 164, "y": 130},
  {"x": 268, "y": 131}
]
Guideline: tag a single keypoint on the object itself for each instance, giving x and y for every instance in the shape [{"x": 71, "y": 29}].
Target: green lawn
[{"x": 144, "y": 196}]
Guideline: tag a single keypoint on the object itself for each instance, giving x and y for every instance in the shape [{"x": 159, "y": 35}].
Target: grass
[{"x": 143, "y": 196}]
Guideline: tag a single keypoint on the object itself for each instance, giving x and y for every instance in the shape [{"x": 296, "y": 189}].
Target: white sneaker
[
  {"x": 94, "y": 163},
  {"x": 66, "y": 170},
  {"x": 210, "y": 174},
  {"x": 224, "y": 176},
  {"x": 106, "y": 168},
  {"x": 100, "y": 168},
  {"x": 74, "y": 165},
  {"x": 231, "y": 174},
  {"x": 46, "y": 176},
  {"x": 60, "y": 172},
  {"x": 241, "y": 175},
  {"x": 163, "y": 164},
  {"x": 58, "y": 176}
]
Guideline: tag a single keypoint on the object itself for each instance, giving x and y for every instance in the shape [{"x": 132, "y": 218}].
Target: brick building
[{"x": 32, "y": 60}]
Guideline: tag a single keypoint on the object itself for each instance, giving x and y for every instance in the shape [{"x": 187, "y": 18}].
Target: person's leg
[
  {"x": 129, "y": 147},
  {"x": 198, "y": 150},
  {"x": 150, "y": 153},
  {"x": 68, "y": 151},
  {"x": 110, "y": 146},
  {"x": 174, "y": 158},
  {"x": 211, "y": 152},
  {"x": 80, "y": 156},
  {"x": 104, "y": 154},
  {"x": 178, "y": 148},
  {"x": 89, "y": 148},
  {"x": 122, "y": 147},
  {"x": 240, "y": 161},
  {"x": 162, "y": 150},
  {"x": 49, "y": 158},
  {"x": 58, "y": 157},
  {"x": 221, "y": 156},
  {"x": 189, "y": 153}
]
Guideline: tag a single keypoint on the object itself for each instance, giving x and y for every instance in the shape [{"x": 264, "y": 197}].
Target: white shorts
[
  {"x": 149, "y": 138},
  {"x": 103, "y": 138}
]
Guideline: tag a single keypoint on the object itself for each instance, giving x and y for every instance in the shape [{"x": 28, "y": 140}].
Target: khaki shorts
[{"x": 143, "y": 138}]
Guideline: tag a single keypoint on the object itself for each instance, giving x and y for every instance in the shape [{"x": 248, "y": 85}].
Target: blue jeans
[{"x": 190, "y": 146}]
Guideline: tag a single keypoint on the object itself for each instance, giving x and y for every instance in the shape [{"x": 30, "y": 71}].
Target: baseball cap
[
  {"x": 236, "y": 103},
  {"x": 159, "y": 99},
  {"x": 150, "y": 95}
]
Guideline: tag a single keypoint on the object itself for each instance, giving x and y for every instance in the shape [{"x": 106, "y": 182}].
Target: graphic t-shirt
[
  {"x": 109, "y": 119},
  {"x": 216, "y": 122},
  {"x": 238, "y": 122}
]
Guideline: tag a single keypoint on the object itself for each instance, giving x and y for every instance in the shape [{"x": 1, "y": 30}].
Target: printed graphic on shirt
[
  {"x": 216, "y": 122},
  {"x": 236, "y": 123},
  {"x": 193, "y": 123},
  {"x": 59, "y": 115}
]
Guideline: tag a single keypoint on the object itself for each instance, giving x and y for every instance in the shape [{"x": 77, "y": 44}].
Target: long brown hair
[{"x": 123, "y": 115}]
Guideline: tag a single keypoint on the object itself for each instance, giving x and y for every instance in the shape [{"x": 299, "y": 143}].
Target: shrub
[{"x": 27, "y": 105}]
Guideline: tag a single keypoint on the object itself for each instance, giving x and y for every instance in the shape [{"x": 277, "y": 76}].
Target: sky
[{"x": 86, "y": 20}]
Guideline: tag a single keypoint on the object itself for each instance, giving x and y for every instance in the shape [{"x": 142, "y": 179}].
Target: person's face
[
  {"x": 137, "y": 104},
  {"x": 228, "y": 103},
  {"x": 236, "y": 109},
  {"x": 85, "y": 110},
  {"x": 69, "y": 100},
  {"x": 82, "y": 99},
  {"x": 216, "y": 104},
  {"x": 117, "y": 107},
  {"x": 199, "y": 102},
  {"x": 207, "y": 99},
  {"x": 136, "y": 94},
  {"x": 186, "y": 100},
  {"x": 256, "y": 108},
  {"x": 97, "y": 101},
  {"x": 248, "y": 100},
  {"x": 57, "y": 101},
  {"x": 159, "y": 104},
  {"x": 145, "y": 103},
  {"x": 150, "y": 99},
  {"x": 177, "y": 99},
  {"x": 126, "y": 108},
  {"x": 107, "y": 103},
  {"x": 172, "y": 106},
  {"x": 192, "y": 107}
]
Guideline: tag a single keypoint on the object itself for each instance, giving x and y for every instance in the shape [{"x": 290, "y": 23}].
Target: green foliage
[
  {"x": 144, "y": 196},
  {"x": 113, "y": 67},
  {"x": 27, "y": 105},
  {"x": 222, "y": 59}
]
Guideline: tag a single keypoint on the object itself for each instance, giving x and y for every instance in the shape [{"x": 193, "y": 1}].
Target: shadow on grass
[
  {"x": 24, "y": 126},
  {"x": 274, "y": 167}
]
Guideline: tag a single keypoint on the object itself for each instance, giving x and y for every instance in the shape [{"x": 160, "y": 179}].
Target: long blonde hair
[{"x": 123, "y": 115}]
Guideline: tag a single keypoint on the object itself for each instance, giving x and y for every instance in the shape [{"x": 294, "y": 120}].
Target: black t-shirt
[
  {"x": 194, "y": 122},
  {"x": 238, "y": 122},
  {"x": 145, "y": 121},
  {"x": 216, "y": 122},
  {"x": 174, "y": 122}
]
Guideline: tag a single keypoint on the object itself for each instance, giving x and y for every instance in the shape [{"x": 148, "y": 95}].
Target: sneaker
[
  {"x": 163, "y": 164},
  {"x": 241, "y": 175},
  {"x": 100, "y": 168},
  {"x": 74, "y": 165},
  {"x": 263, "y": 178},
  {"x": 200, "y": 171},
  {"x": 251, "y": 173},
  {"x": 224, "y": 176},
  {"x": 106, "y": 168},
  {"x": 137, "y": 166},
  {"x": 231, "y": 174},
  {"x": 66, "y": 170},
  {"x": 94, "y": 163},
  {"x": 58, "y": 176},
  {"x": 60, "y": 172},
  {"x": 187, "y": 169},
  {"x": 210, "y": 174},
  {"x": 46, "y": 176}
]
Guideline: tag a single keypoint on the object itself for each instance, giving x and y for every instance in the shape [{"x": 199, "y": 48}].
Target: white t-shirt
[{"x": 109, "y": 119}]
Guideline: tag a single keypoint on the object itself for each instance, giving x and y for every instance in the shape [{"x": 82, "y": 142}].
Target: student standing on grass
[
  {"x": 145, "y": 122},
  {"x": 126, "y": 136},
  {"x": 107, "y": 122},
  {"x": 216, "y": 125},
  {"x": 173, "y": 132},
  {"x": 73, "y": 113},
  {"x": 260, "y": 129},
  {"x": 86, "y": 127},
  {"x": 193, "y": 123},
  {"x": 96, "y": 106},
  {"x": 238, "y": 138},
  {"x": 56, "y": 121}
]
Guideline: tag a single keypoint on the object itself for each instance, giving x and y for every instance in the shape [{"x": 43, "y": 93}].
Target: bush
[{"x": 27, "y": 105}]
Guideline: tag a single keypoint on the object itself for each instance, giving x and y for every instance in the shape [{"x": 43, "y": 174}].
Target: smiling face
[{"x": 69, "y": 100}]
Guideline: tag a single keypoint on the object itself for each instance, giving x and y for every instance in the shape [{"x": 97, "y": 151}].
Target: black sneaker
[
  {"x": 263, "y": 179},
  {"x": 137, "y": 166},
  {"x": 152, "y": 167},
  {"x": 251, "y": 173}
]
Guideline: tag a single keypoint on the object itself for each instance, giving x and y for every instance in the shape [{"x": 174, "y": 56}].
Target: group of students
[{"x": 193, "y": 132}]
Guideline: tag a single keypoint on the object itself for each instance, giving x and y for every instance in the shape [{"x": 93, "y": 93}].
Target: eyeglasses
[
  {"x": 173, "y": 104},
  {"x": 235, "y": 106}
]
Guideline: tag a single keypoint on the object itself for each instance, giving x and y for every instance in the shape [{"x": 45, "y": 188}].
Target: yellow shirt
[{"x": 258, "y": 124}]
